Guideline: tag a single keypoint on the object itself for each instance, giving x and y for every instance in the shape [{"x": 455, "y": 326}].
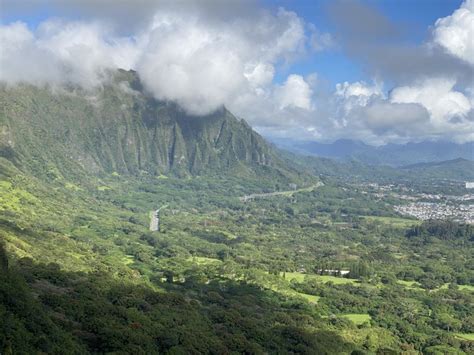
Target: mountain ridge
[
  {"x": 119, "y": 128},
  {"x": 397, "y": 155}
]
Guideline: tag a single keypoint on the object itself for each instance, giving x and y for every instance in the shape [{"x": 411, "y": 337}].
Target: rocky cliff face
[{"x": 119, "y": 128}]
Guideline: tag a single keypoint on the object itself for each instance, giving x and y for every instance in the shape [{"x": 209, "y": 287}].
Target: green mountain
[{"x": 118, "y": 128}]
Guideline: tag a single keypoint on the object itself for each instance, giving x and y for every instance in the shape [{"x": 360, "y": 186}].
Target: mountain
[
  {"x": 353, "y": 170},
  {"x": 119, "y": 128},
  {"x": 460, "y": 169},
  {"x": 390, "y": 154}
]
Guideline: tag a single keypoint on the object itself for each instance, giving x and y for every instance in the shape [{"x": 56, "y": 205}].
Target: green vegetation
[
  {"x": 466, "y": 287},
  {"x": 393, "y": 221},
  {"x": 326, "y": 270},
  {"x": 216, "y": 250},
  {"x": 358, "y": 318},
  {"x": 465, "y": 336}
]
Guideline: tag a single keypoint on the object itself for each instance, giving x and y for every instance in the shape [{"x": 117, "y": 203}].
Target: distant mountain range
[
  {"x": 390, "y": 154},
  {"x": 351, "y": 170}
]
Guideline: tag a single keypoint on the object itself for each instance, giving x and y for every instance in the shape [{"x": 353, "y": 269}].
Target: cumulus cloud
[
  {"x": 437, "y": 95},
  {"x": 203, "y": 66},
  {"x": 60, "y": 53},
  {"x": 455, "y": 33},
  {"x": 358, "y": 93},
  {"x": 450, "y": 110},
  {"x": 294, "y": 92},
  {"x": 201, "y": 62}
]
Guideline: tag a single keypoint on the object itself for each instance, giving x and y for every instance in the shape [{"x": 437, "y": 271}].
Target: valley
[
  {"x": 264, "y": 258},
  {"x": 252, "y": 251}
]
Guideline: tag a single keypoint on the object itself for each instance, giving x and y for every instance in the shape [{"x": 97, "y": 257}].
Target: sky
[{"x": 379, "y": 71}]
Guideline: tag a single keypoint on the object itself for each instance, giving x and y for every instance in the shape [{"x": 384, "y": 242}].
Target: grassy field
[
  {"x": 465, "y": 336},
  {"x": 298, "y": 276},
  {"x": 357, "y": 318},
  {"x": 309, "y": 298},
  {"x": 336, "y": 280},
  {"x": 466, "y": 287},
  {"x": 410, "y": 284},
  {"x": 201, "y": 260},
  {"x": 393, "y": 221}
]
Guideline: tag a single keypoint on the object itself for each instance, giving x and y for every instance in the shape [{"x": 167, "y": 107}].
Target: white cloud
[
  {"x": 199, "y": 62},
  {"x": 59, "y": 53},
  {"x": 205, "y": 65},
  {"x": 438, "y": 96},
  {"x": 358, "y": 89},
  {"x": 430, "y": 109},
  {"x": 358, "y": 93},
  {"x": 455, "y": 33},
  {"x": 320, "y": 41},
  {"x": 18, "y": 49},
  {"x": 295, "y": 92}
]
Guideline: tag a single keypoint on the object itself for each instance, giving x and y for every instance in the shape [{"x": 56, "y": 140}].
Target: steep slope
[{"x": 118, "y": 128}]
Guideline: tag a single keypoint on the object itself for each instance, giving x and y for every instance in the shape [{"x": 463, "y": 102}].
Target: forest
[{"x": 326, "y": 270}]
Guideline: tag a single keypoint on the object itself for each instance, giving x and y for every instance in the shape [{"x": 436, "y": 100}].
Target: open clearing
[
  {"x": 393, "y": 221},
  {"x": 300, "y": 277},
  {"x": 280, "y": 193},
  {"x": 410, "y": 284},
  {"x": 309, "y": 298},
  {"x": 466, "y": 287},
  {"x": 201, "y": 260},
  {"x": 357, "y": 318},
  {"x": 465, "y": 336}
]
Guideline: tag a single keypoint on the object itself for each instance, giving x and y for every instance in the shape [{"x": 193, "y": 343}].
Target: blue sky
[{"x": 416, "y": 17}]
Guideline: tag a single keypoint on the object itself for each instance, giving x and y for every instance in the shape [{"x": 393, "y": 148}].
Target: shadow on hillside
[{"x": 45, "y": 309}]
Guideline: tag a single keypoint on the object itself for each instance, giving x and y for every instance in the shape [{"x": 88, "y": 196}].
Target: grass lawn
[
  {"x": 202, "y": 260},
  {"x": 336, "y": 280},
  {"x": 393, "y": 221},
  {"x": 410, "y": 284},
  {"x": 309, "y": 298},
  {"x": 294, "y": 275},
  {"x": 466, "y": 287},
  {"x": 443, "y": 287},
  {"x": 323, "y": 278},
  {"x": 465, "y": 336},
  {"x": 357, "y": 318}
]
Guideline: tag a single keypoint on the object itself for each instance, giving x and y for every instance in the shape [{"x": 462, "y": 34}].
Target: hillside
[
  {"x": 457, "y": 169},
  {"x": 119, "y": 128}
]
